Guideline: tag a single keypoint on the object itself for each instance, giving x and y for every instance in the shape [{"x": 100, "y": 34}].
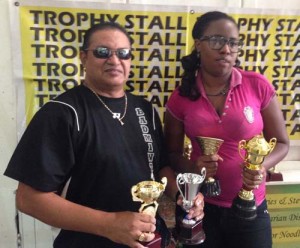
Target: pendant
[
  {"x": 122, "y": 123},
  {"x": 116, "y": 115}
]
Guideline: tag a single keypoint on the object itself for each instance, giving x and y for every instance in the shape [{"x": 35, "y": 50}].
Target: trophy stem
[
  {"x": 246, "y": 195},
  {"x": 244, "y": 205},
  {"x": 211, "y": 187}
]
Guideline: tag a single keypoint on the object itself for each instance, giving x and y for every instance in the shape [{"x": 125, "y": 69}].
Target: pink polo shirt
[{"x": 241, "y": 119}]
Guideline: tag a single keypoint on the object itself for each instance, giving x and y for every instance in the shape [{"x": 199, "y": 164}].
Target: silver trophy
[{"x": 189, "y": 231}]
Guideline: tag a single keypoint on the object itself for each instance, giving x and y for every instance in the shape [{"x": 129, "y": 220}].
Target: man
[{"x": 106, "y": 141}]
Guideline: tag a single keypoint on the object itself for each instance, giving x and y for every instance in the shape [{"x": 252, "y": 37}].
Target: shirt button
[{"x": 220, "y": 121}]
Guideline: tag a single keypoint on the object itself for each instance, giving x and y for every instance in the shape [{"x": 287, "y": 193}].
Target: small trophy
[
  {"x": 210, "y": 146},
  {"x": 189, "y": 231},
  {"x": 257, "y": 148},
  {"x": 148, "y": 192}
]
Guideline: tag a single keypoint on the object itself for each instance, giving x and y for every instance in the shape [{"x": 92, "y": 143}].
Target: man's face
[{"x": 106, "y": 73}]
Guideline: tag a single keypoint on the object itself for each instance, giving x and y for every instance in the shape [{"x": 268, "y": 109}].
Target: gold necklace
[
  {"x": 223, "y": 92},
  {"x": 114, "y": 115}
]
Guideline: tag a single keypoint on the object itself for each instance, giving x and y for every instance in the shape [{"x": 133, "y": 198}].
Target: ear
[
  {"x": 83, "y": 57},
  {"x": 198, "y": 45}
]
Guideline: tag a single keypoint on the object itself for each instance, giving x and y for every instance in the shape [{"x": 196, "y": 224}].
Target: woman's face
[
  {"x": 218, "y": 62},
  {"x": 109, "y": 72}
]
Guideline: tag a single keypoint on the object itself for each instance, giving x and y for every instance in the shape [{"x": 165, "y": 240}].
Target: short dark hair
[{"x": 103, "y": 26}]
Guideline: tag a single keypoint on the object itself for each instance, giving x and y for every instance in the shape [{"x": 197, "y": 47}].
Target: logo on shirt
[{"x": 249, "y": 114}]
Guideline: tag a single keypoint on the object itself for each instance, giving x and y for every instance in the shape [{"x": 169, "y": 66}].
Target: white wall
[{"x": 8, "y": 132}]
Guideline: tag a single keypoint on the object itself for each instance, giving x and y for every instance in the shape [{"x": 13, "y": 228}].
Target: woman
[
  {"x": 105, "y": 141},
  {"x": 219, "y": 100}
]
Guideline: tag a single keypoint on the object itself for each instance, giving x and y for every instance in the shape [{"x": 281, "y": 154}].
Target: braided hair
[{"x": 191, "y": 62}]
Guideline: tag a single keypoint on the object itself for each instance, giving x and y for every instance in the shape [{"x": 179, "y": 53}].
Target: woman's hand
[
  {"x": 253, "y": 178},
  {"x": 196, "y": 212},
  {"x": 210, "y": 162}
]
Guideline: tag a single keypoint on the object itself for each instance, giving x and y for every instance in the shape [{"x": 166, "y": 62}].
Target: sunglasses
[
  {"x": 216, "y": 42},
  {"x": 105, "y": 53}
]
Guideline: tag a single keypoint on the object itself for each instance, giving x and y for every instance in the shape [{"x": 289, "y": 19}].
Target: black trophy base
[
  {"x": 211, "y": 187},
  {"x": 188, "y": 234},
  {"x": 155, "y": 243},
  {"x": 244, "y": 209}
]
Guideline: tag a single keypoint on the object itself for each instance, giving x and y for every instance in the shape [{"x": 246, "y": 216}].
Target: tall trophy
[
  {"x": 148, "y": 192},
  {"x": 256, "y": 149},
  {"x": 189, "y": 231},
  {"x": 210, "y": 146}
]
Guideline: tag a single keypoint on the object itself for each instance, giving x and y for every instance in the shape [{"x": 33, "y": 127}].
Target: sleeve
[
  {"x": 44, "y": 156},
  {"x": 175, "y": 105},
  {"x": 266, "y": 91}
]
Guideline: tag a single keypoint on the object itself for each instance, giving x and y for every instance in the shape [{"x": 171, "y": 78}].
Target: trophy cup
[
  {"x": 189, "y": 232},
  {"x": 257, "y": 148},
  {"x": 210, "y": 146},
  {"x": 148, "y": 192}
]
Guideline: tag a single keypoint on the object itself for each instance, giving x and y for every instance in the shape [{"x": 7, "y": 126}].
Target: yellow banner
[
  {"x": 50, "y": 38},
  {"x": 286, "y": 235},
  {"x": 276, "y": 201}
]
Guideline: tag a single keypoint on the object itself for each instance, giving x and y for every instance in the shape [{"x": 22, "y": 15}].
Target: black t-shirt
[{"x": 74, "y": 136}]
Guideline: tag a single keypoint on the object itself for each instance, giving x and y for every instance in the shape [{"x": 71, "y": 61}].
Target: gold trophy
[
  {"x": 210, "y": 146},
  {"x": 148, "y": 192},
  {"x": 257, "y": 148}
]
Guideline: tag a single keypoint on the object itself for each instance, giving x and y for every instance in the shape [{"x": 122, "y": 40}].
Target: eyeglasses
[
  {"x": 105, "y": 53},
  {"x": 216, "y": 42}
]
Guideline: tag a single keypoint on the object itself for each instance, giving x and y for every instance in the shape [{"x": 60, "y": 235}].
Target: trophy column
[
  {"x": 210, "y": 146},
  {"x": 257, "y": 148},
  {"x": 148, "y": 192}
]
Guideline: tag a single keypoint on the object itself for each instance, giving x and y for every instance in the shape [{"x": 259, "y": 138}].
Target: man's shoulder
[
  {"x": 72, "y": 94},
  {"x": 137, "y": 99}
]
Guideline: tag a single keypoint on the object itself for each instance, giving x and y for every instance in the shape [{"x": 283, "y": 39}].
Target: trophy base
[
  {"x": 274, "y": 176},
  {"x": 211, "y": 187},
  {"x": 190, "y": 234},
  {"x": 155, "y": 243},
  {"x": 244, "y": 209}
]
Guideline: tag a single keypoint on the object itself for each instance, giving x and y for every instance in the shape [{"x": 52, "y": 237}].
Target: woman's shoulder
[{"x": 252, "y": 75}]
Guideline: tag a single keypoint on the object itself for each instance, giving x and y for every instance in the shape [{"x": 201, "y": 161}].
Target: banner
[
  {"x": 284, "y": 207},
  {"x": 48, "y": 35}
]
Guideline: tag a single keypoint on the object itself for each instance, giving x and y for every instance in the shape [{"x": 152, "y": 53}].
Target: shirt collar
[{"x": 236, "y": 79}]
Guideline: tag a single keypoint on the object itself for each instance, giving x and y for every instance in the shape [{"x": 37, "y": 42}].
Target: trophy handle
[
  {"x": 272, "y": 143},
  {"x": 203, "y": 172},
  {"x": 134, "y": 195},
  {"x": 180, "y": 181},
  {"x": 242, "y": 144}
]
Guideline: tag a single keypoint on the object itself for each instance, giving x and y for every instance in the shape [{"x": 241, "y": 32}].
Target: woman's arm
[
  {"x": 274, "y": 127},
  {"x": 174, "y": 135}
]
